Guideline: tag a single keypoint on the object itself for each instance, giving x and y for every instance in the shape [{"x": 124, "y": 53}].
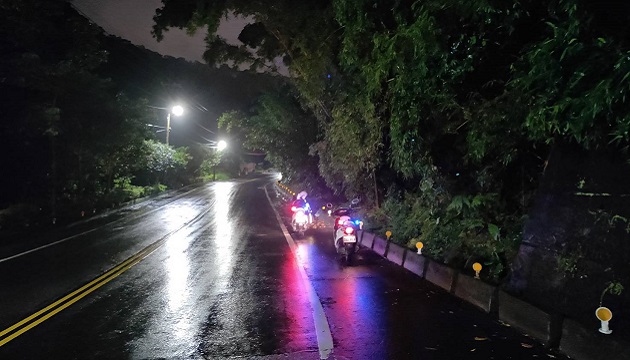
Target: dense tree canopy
[
  {"x": 68, "y": 123},
  {"x": 74, "y": 126},
  {"x": 279, "y": 127},
  {"x": 447, "y": 110}
]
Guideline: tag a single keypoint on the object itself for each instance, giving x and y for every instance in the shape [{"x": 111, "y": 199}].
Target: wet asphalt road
[{"x": 209, "y": 274}]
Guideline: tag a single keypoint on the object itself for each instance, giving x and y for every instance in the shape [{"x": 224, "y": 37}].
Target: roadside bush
[
  {"x": 18, "y": 215},
  {"x": 219, "y": 176},
  {"x": 124, "y": 191},
  {"x": 410, "y": 217},
  {"x": 457, "y": 230},
  {"x": 208, "y": 166},
  {"x": 154, "y": 189}
]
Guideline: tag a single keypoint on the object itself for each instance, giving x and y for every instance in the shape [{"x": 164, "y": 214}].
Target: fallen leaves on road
[
  {"x": 480, "y": 338},
  {"x": 528, "y": 346}
]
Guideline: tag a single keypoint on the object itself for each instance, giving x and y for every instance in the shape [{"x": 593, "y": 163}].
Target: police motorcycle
[
  {"x": 301, "y": 214},
  {"x": 345, "y": 234}
]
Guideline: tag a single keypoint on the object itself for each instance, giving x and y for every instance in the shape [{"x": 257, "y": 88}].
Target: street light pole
[
  {"x": 218, "y": 148},
  {"x": 177, "y": 111},
  {"x": 168, "y": 126}
]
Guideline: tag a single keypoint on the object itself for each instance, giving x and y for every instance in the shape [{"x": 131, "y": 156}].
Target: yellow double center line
[{"x": 44, "y": 314}]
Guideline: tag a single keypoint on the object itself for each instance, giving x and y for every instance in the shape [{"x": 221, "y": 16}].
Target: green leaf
[{"x": 494, "y": 231}]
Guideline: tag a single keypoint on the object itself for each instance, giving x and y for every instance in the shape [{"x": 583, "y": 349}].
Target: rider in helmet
[{"x": 300, "y": 202}]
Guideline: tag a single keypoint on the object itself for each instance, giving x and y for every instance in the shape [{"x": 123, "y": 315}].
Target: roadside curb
[
  {"x": 440, "y": 275},
  {"x": 415, "y": 263},
  {"x": 379, "y": 246},
  {"x": 579, "y": 343},
  {"x": 529, "y": 319},
  {"x": 283, "y": 190},
  {"x": 396, "y": 254},
  {"x": 552, "y": 330},
  {"x": 478, "y": 293},
  {"x": 367, "y": 239}
]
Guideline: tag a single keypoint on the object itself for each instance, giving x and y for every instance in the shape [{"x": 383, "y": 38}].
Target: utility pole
[{"x": 168, "y": 126}]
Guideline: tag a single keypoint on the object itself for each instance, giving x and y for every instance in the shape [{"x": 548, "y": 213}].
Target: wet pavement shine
[{"x": 211, "y": 274}]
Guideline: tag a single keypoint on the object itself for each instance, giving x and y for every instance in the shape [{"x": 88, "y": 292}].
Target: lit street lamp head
[
  {"x": 177, "y": 110},
  {"x": 221, "y": 145}
]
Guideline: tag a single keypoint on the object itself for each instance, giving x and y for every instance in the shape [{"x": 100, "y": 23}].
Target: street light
[
  {"x": 220, "y": 146},
  {"x": 176, "y": 110}
]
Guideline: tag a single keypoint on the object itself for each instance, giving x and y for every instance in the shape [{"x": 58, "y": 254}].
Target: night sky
[{"x": 133, "y": 19}]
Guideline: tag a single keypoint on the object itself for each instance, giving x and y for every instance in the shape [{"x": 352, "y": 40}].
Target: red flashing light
[{"x": 293, "y": 208}]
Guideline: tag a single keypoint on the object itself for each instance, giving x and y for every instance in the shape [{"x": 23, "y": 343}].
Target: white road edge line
[
  {"x": 47, "y": 245},
  {"x": 88, "y": 231},
  {"x": 322, "y": 329}
]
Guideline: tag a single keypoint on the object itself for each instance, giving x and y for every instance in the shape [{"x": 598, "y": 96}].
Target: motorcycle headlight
[{"x": 300, "y": 217}]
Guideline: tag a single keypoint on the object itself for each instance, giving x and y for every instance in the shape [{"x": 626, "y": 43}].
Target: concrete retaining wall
[
  {"x": 477, "y": 292},
  {"x": 380, "y": 245},
  {"x": 367, "y": 239},
  {"x": 415, "y": 263},
  {"x": 441, "y": 275},
  {"x": 552, "y": 330},
  {"x": 396, "y": 253},
  {"x": 529, "y": 319}
]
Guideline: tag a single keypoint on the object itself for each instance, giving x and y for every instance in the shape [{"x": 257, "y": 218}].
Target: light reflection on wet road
[{"x": 225, "y": 284}]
